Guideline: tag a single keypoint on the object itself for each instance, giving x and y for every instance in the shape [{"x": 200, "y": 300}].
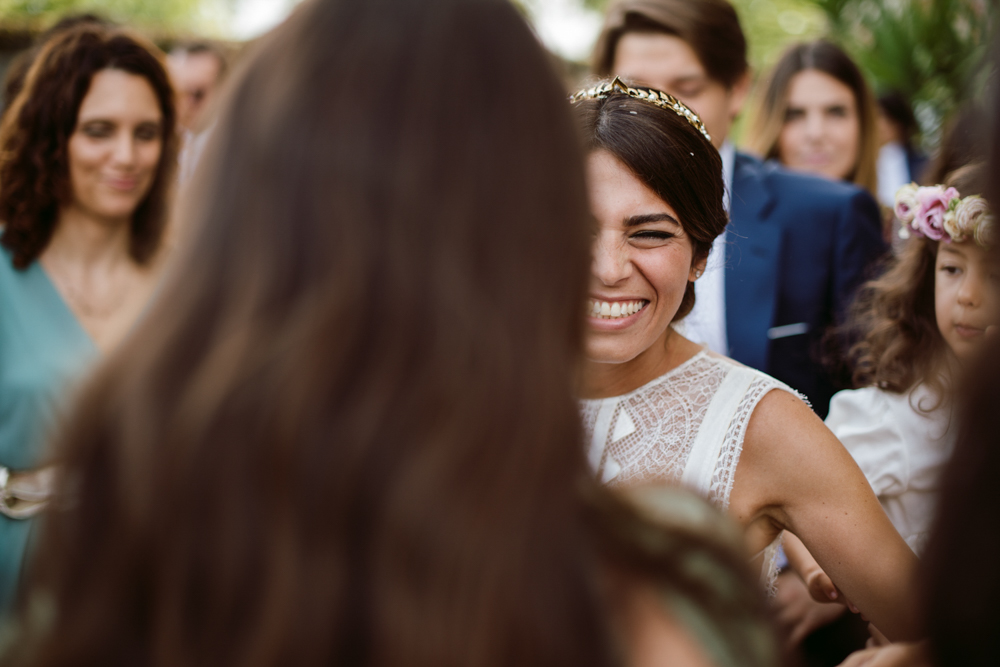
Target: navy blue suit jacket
[{"x": 797, "y": 248}]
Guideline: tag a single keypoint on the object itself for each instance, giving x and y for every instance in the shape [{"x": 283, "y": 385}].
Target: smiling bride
[{"x": 659, "y": 408}]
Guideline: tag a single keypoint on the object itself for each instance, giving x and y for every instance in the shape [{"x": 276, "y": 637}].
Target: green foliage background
[
  {"x": 932, "y": 51},
  {"x": 158, "y": 16}
]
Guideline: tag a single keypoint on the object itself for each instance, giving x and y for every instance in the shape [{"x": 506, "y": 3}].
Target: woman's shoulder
[{"x": 758, "y": 381}]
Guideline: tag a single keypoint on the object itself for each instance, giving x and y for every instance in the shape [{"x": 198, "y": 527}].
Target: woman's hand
[
  {"x": 893, "y": 655},
  {"x": 823, "y": 590},
  {"x": 819, "y": 583},
  {"x": 798, "y": 614},
  {"x": 877, "y": 639}
]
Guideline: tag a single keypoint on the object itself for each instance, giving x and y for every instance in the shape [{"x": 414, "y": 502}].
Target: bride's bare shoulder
[
  {"x": 786, "y": 447},
  {"x": 780, "y": 408}
]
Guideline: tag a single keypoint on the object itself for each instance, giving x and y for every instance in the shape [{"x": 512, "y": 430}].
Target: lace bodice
[
  {"x": 686, "y": 426},
  {"x": 650, "y": 434}
]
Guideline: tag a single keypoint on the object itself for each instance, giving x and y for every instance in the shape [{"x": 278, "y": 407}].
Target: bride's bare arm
[{"x": 794, "y": 473}]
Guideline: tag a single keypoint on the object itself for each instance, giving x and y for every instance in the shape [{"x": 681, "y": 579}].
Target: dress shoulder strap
[{"x": 709, "y": 441}]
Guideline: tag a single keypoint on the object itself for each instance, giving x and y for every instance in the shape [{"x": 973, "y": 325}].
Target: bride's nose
[{"x": 611, "y": 263}]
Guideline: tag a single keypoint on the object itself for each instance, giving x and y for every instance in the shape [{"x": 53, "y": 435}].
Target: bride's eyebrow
[{"x": 636, "y": 220}]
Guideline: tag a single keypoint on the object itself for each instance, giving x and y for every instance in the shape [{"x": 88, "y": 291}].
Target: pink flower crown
[{"x": 941, "y": 213}]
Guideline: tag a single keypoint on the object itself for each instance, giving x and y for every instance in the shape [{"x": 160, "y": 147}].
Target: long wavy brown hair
[
  {"x": 768, "y": 116},
  {"x": 35, "y": 133},
  {"x": 893, "y": 316}
]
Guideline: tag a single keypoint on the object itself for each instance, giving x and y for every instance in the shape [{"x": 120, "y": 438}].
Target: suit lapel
[{"x": 753, "y": 253}]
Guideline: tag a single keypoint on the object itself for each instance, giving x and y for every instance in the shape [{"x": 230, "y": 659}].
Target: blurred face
[
  {"x": 822, "y": 131},
  {"x": 668, "y": 63},
  {"x": 115, "y": 149},
  {"x": 195, "y": 77},
  {"x": 966, "y": 296},
  {"x": 642, "y": 262}
]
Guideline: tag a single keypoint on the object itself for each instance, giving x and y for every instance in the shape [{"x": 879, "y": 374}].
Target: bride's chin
[{"x": 607, "y": 354}]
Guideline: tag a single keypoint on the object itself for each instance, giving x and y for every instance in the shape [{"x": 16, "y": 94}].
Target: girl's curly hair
[
  {"x": 893, "y": 317},
  {"x": 35, "y": 133}
]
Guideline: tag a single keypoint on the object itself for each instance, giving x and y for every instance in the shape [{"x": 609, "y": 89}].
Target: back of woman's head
[
  {"x": 959, "y": 579},
  {"x": 669, "y": 156},
  {"x": 346, "y": 432},
  {"x": 36, "y": 129},
  {"x": 772, "y": 103}
]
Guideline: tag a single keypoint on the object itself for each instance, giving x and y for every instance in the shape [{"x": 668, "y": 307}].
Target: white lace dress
[{"x": 686, "y": 426}]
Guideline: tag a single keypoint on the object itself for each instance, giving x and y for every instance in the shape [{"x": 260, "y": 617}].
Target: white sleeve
[{"x": 863, "y": 420}]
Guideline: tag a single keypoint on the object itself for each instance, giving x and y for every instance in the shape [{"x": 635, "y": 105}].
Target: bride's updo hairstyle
[{"x": 669, "y": 155}]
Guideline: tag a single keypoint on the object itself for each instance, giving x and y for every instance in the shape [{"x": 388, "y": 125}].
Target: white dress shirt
[
  {"x": 893, "y": 172},
  {"x": 706, "y": 324}
]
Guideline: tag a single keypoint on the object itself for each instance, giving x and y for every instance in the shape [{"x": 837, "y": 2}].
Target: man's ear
[{"x": 738, "y": 94}]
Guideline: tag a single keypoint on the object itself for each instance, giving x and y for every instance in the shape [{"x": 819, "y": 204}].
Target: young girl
[
  {"x": 921, "y": 323},
  {"x": 923, "y": 320}
]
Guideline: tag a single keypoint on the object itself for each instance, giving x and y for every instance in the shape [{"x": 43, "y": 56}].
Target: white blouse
[
  {"x": 900, "y": 448},
  {"x": 686, "y": 426}
]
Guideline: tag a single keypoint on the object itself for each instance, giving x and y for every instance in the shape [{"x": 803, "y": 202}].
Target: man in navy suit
[{"x": 797, "y": 246}]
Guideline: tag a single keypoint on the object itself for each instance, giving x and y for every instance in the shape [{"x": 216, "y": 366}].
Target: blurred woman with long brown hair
[
  {"x": 817, "y": 114},
  {"x": 346, "y": 433},
  {"x": 86, "y": 157}
]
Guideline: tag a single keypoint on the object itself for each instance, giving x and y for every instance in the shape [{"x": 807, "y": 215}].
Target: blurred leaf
[
  {"x": 156, "y": 15},
  {"x": 932, "y": 51}
]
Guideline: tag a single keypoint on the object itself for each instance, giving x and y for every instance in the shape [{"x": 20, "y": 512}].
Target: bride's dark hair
[{"x": 669, "y": 156}]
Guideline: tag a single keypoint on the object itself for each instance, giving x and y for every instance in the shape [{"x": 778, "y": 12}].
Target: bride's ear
[{"x": 697, "y": 268}]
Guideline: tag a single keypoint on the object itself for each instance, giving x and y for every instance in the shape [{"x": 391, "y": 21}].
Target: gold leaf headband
[{"x": 657, "y": 97}]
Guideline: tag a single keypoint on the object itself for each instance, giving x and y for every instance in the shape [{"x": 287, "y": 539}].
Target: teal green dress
[{"x": 43, "y": 351}]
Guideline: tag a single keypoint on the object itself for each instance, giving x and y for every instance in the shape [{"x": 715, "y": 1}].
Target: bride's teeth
[{"x": 607, "y": 310}]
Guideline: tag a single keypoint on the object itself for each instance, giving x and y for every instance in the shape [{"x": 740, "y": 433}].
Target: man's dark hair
[{"x": 710, "y": 27}]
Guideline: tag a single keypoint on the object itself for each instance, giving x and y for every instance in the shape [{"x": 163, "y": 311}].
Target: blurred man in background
[{"x": 197, "y": 70}]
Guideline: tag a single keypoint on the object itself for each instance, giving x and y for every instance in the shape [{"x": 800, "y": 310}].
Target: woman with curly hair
[{"x": 86, "y": 153}]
